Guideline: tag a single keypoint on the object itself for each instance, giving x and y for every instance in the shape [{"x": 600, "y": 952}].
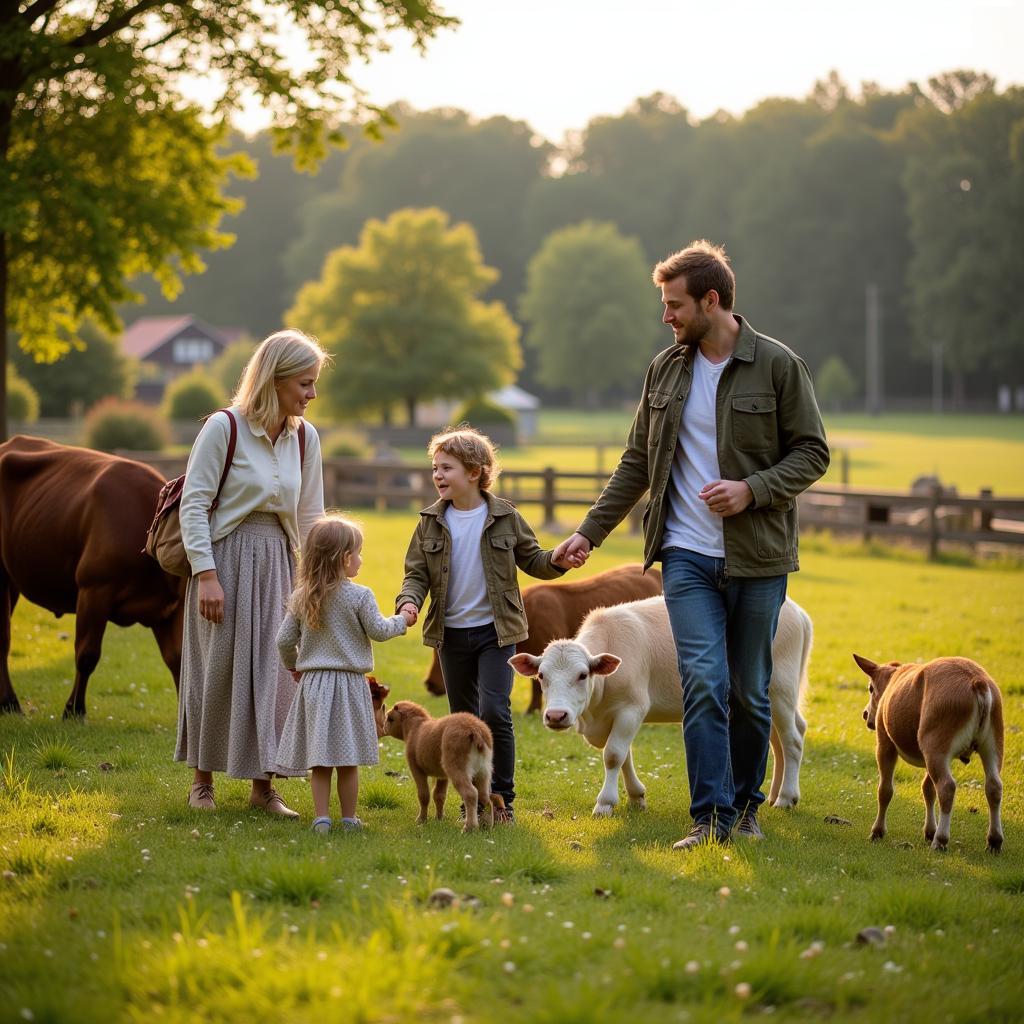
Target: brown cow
[
  {"x": 72, "y": 526},
  {"x": 555, "y": 611}
]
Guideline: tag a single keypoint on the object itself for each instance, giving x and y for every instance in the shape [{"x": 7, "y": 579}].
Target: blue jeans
[
  {"x": 723, "y": 629},
  {"x": 479, "y": 679}
]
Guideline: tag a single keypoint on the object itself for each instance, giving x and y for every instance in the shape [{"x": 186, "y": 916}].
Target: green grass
[{"x": 119, "y": 903}]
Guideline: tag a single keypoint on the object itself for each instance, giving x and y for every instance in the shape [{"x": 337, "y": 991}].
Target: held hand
[
  {"x": 297, "y": 676},
  {"x": 211, "y": 597},
  {"x": 409, "y": 612},
  {"x": 726, "y": 497},
  {"x": 572, "y": 552}
]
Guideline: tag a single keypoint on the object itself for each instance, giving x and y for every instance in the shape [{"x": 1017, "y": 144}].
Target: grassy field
[
  {"x": 970, "y": 452},
  {"x": 119, "y": 903}
]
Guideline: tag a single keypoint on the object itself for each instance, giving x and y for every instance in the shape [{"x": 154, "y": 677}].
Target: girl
[
  {"x": 234, "y": 694},
  {"x": 325, "y": 641},
  {"x": 464, "y": 553}
]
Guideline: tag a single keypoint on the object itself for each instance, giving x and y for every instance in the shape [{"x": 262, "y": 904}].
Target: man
[{"x": 726, "y": 435}]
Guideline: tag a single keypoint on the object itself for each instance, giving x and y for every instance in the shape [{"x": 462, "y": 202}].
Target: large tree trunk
[
  {"x": 3, "y": 336},
  {"x": 7, "y": 78},
  {"x": 410, "y": 409}
]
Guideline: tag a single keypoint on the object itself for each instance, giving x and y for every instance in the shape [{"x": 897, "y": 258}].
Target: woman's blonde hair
[
  {"x": 284, "y": 354},
  {"x": 473, "y": 449},
  {"x": 322, "y": 567}
]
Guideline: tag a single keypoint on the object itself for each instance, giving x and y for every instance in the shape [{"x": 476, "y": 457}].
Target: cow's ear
[
  {"x": 525, "y": 664},
  {"x": 867, "y": 666},
  {"x": 604, "y": 664}
]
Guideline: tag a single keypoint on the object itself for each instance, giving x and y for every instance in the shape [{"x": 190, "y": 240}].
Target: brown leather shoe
[
  {"x": 200, "y": 796},
  {"x": 748, "y": 828},
  {"x": 700, "y": 835},
  {"x": 270, "y": 801}
]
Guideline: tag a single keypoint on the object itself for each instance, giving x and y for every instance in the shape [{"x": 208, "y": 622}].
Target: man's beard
[{"x": 695, "y": 333}]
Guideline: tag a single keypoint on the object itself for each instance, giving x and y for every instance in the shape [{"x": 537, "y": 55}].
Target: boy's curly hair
[{"x": 472, "y": 448}]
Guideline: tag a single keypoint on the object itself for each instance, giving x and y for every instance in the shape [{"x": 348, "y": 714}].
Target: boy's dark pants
[{"x": 478, "y": 679}]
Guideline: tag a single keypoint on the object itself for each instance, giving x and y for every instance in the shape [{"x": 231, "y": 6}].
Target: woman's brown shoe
[
  {"x": 200, "y": 796},
  {"x": 269, "y": 800}
]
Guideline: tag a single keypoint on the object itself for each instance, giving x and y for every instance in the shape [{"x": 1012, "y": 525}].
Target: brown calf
[
  {"x": 457, "y": 748},
  {"x": 555, "y": 611},
  {"x": 929, "y": 714}
]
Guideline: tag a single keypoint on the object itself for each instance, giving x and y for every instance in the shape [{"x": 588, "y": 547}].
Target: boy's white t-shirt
[
  {"x": 689, "y": 524},
  {"x": 467, "y": 601}
]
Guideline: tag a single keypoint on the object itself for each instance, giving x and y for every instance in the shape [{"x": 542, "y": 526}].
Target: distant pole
[
  {"x": 937, "y": 378},
  {"x": 873, "y": 352}
]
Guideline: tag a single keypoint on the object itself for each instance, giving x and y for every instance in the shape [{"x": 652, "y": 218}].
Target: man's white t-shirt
[
  {"x": 689, "y": 524},
  {"x": 467, "y": 601}
]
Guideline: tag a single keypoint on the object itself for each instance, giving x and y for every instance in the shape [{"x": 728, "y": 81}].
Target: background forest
[{"x": 918, "y": 192}]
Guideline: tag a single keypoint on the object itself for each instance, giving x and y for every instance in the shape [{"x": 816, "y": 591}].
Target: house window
[{"x": 193, "y": 350}]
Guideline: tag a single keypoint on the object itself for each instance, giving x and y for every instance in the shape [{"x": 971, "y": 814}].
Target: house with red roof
[{"x": 167, "y": 346}]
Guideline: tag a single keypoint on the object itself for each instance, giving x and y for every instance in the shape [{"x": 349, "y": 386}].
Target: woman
[{"x": 235, "y": 694}]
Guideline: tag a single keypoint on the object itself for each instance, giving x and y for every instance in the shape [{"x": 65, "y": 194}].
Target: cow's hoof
[
  {"x": 73, "y": 715},
  {"x": 876, "y": 836},
  {"x": 939, "y": 845},
  {"x": 786, "y": 803},
  {"x": 11, "y": 707},
  {"x": 603, "y": 810},
  {"x": 434, "y": 690},
  {"x": 994, "y": 844},
  {"x": 638, "y": 803}
]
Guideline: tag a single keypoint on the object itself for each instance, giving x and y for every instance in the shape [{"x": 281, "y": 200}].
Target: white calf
[{"x": 580, "y": 689}]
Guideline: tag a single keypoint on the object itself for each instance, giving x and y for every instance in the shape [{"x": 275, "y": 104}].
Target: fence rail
[{"x": 932, "y": 518}]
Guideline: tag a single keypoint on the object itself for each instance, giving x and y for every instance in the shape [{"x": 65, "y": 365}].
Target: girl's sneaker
[
  {"x": 352, "y": 824},
  {"x": 321, "y": 825}
]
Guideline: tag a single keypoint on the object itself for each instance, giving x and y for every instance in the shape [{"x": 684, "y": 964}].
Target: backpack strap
[
  {"x": 302, "y": 445},
  {"x": 229, "y": 456}
]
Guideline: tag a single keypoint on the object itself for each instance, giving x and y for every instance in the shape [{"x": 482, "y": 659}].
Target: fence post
[
  {"x": 933, "y": 521},
  {"x": 549, "y": 499},
  {"x": 984, "y": 514}
]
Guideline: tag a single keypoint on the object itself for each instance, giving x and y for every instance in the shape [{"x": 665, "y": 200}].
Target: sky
[{"x": 557, "y": 63}]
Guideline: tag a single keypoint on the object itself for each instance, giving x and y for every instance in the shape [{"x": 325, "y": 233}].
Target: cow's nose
[
  {"x": 865, "y": 715},
  {"x": 555, "y": 718}
]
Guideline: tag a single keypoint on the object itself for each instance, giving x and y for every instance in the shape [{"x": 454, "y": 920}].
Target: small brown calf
[
  {"x": 378, "y": 691},
  {"x": 457, "y": 748},
  {"x": 929, "y": 714}
]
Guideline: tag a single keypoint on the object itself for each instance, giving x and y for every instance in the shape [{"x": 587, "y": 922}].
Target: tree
[
  {"x": 93, "y": 367},
  {"x": 965, "y": 186},
  {"x": 476, "y": 171},
  {"x": 835, "y": 385},
  {"x": 590, "y": 305},
  {"x": 107, "y": 171},
  {"x": 401, "y": 314}
]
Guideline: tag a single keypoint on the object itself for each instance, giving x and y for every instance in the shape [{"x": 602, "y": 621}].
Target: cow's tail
[
  {"x": 807, "y": 632},
  {"x": 983, "y": 696}
]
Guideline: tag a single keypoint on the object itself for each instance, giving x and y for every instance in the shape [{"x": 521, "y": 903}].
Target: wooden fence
[{"x": 932, "y": 519}]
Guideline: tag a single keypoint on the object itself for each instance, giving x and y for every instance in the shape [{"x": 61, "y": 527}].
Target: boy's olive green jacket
[
  {"x": 507, "y": 541},
  {"x": 770, "y": 435}
]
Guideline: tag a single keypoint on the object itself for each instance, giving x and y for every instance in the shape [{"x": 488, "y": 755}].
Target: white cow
[{"x": 608, "y": 696}]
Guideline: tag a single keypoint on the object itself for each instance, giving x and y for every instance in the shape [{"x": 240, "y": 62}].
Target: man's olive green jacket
[
  {"x": 507, "y": 542},
  {"x": 770, "y": 435}
]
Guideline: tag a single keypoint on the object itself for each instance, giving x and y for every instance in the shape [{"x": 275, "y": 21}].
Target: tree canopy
[
  {"x": 108, "y": 171},
  {"x": 402, "y": 316},
  {"x": 591, "y": 310}
]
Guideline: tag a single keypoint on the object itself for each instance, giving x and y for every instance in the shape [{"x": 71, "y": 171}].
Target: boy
[{"x": 464, "y": 553}]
